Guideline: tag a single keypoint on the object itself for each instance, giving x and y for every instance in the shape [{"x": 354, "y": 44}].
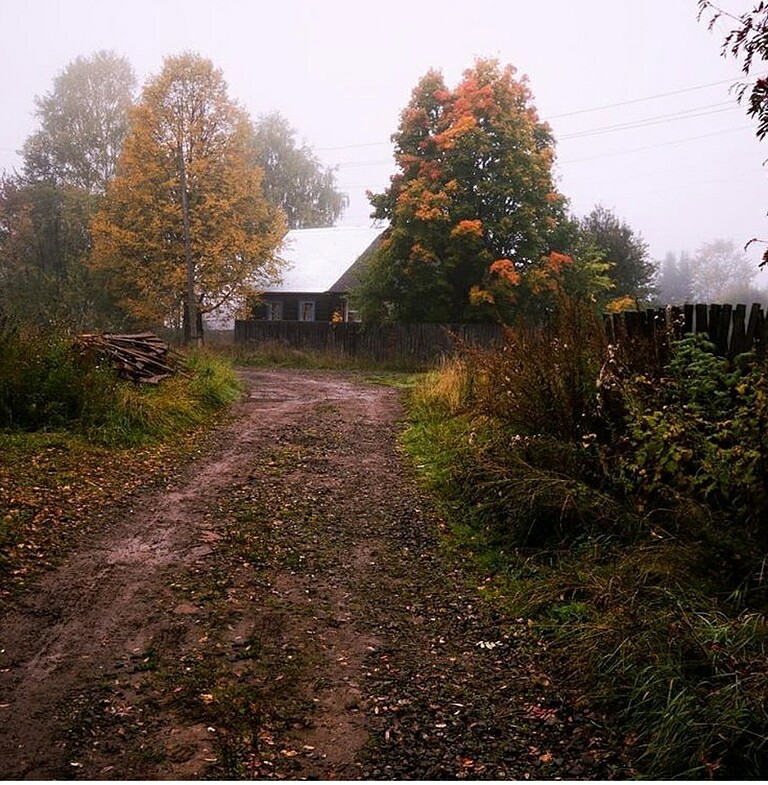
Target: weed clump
[
  {"x": 621, "y": 504},
  {"x": 46, "y": 384}
]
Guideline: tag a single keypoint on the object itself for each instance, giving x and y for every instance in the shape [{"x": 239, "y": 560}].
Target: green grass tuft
[{"x": 654, "y": 612}]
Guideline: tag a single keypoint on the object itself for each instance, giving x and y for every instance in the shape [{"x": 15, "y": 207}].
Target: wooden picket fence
[
  {"x": 414, "y": 343},
  {"x": 730, "y": 328}
]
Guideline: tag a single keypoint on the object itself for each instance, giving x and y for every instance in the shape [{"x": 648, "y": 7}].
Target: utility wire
[
  {"x": 350, "y": 146},
  {"x": 687, "y": 115},
  {"x": 684, "y": 140},
  {"x": 652, "y": 97},
  {"x": 628, "y": 102},
  {"x": 586, "y": 159}
]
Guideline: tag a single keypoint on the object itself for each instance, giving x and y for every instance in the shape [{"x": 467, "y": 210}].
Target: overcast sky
[{"x": 688, "y": 171}]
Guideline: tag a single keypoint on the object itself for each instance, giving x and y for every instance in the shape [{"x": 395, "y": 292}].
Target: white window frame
[
  {"x": 310, "y": 306},
  {"x": 274, "y": 310}
]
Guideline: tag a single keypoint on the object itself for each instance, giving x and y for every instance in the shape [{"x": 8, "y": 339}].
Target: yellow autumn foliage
[{"x": 185, "y": 127}]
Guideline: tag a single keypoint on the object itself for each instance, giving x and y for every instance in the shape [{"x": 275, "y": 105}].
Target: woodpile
[{"x": 140, "y": 358}]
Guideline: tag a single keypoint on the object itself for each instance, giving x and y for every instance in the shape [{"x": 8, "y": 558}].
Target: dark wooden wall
[{"x": 325, "y": 305}]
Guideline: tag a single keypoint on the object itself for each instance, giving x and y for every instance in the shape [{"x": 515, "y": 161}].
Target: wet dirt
[{"x": 374, "y": 642}]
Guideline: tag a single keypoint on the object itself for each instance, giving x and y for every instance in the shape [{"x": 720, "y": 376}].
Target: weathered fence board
[
  {"x": 726, "y": 326},
  {"x": 412, "y": 342}
]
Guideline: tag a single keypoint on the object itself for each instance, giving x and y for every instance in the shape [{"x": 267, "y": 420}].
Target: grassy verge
[
  {"x": 83, "y": 446},
  {"x": 639, "y": 596},
  {"x": 276, "y": 355}
]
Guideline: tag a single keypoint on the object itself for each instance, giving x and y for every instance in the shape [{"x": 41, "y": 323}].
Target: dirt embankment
[{"x": 284, "y": 610}]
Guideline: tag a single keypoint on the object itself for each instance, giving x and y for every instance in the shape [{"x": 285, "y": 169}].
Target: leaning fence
[{"x": 731, "y": 328}]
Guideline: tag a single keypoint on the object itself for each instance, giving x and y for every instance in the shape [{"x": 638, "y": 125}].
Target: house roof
[
  {"x": 350, "y": 278},
  {"x": 319, "y": 259}
]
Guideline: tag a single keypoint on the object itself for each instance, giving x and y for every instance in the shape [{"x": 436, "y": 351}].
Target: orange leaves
[
  {"x": 468, "y": 228},
  {"x": 510, "y": 285},
  {"x": 430, "y": 170},
  {"x": 417, "y": 200},
  {"x": 433, "y": 207},
  {"x": 461, "y": 126},
  {"x": 505, "y": 270},
  {"x": 421, "y": 254},
  {"x": 474, "y": 98},
  {"x": 480, "y": 296},
  {"x": 619, "y": 304},
  {"x": 555, "y": 262},
  {"x": 546, "y": 275},
  {"x": 538, "y": 281}
]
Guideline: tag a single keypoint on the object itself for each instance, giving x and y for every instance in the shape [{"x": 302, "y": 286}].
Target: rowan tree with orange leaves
[{"x": 474, "y": 194}]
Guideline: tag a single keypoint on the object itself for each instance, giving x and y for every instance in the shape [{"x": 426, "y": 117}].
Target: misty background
[{"x": 639, "y": 98}]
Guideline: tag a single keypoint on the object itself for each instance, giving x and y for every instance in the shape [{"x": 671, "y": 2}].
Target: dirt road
[{"x": 283, "y": 610}]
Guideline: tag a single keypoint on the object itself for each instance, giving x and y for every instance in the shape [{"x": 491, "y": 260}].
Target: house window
[
  {"x": 306, "y": 310},
  {"x": 350, "y": 314},
  {"x": 274, "y": 310}
]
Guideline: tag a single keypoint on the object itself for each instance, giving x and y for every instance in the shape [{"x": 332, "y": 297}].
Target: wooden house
[{"x": 323, "y": 268}]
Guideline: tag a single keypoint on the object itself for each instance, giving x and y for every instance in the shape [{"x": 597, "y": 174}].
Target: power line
[
  {"x": 688, "y": 185},
  {"x": 615, "y": 105},
  {"x": 630, "y": 101},
  {"x": 596, "y": 132},
  {"x": 351, "y": 146},
  {"x": 684, "y": 140},
  {"x": 689, "y": 114},
  {"x": 357, "y": 164}
]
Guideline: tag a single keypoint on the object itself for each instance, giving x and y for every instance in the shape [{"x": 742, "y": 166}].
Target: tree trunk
[{"x": 191, "y": 333}]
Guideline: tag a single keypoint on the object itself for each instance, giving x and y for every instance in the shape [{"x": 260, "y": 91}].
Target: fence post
[
  {"x": 738, "y": 333},
  {"x": 702, "y": 324},
  {"x": 723, "y": 329},
  {"x": 755, "y": 328},
  {"x": 688, "y": 318}
]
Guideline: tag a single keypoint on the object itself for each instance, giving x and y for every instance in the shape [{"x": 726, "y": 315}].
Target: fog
[{"x": 638, "y": 94}]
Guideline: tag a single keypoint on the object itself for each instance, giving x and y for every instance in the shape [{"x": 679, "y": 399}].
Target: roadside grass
[
  {"x": 76, "y": 441},
  {"x": 277, "y": 355},
  {"x": 637, "y": 616},
  {"x": 145, "y": 414},
  {"x": 400, "y": 380}
]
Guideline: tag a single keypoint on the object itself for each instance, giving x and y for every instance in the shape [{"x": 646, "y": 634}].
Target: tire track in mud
[
  {"x": 103, "y": 605},
  {"x": 294, "y": 572}
]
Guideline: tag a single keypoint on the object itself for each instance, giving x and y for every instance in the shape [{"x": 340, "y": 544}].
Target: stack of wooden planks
[{"x": 142, "y": 357}]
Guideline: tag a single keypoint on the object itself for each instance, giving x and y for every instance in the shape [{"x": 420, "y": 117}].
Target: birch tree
[{"x": 83, "y": 123}]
